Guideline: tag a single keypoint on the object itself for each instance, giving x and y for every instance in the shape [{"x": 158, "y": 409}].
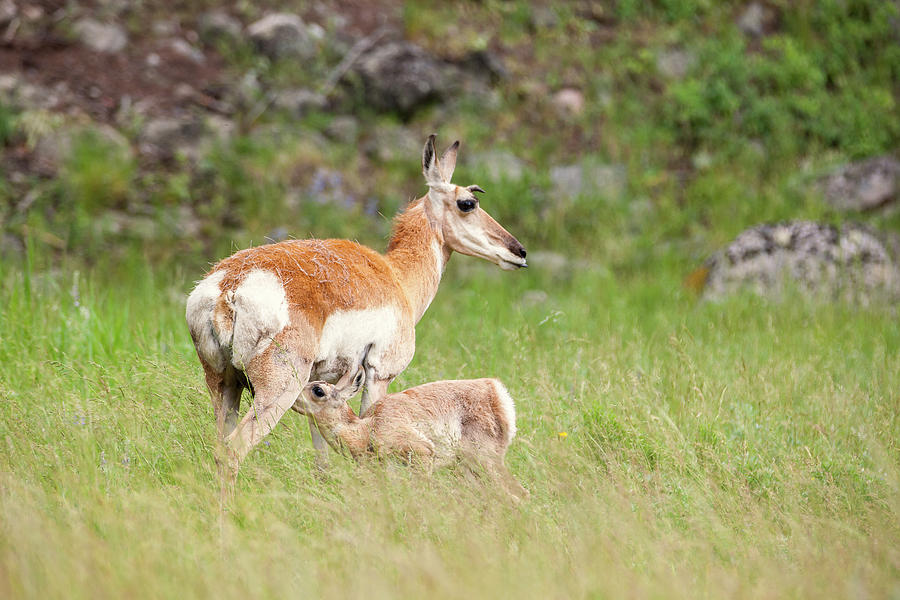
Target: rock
[
  {"x": 400, "y": 77},
  {"x": 865, "y": 185},
  {"x": 344, "y": 129},
  {"x": 543, "y": 17},
  {"x": 393, "y": 144},
  {"x": 675, "y": 63},
  {"x": 8, "y": 12},
  {"x": 851, "y": 262},
  {"x": 166, "y": 137},
  {"x": 100, "y": 37},
  {"x": 165, "y": 28},
  {"x": 217, "y": 26},
  {"x": 605, "y": 180},
  {"x": 486, "y": 65},
  {"x": 757, "y": 19},
  {"x": 282, "y": 35},
  {"x": 16, "y": 91},
  {"x": 569, "y": 102},
  {"x": 500, "y": 165},
  {"x": 299, "y": 101},
  {"x": 182, "y": 48}
]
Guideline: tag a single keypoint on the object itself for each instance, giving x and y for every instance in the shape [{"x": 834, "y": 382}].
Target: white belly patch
[{"x": 347, "y": 333}]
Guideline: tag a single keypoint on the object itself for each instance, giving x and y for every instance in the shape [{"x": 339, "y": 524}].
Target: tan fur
[
  {"x": 437, "y": 423},
  {"x": 268, "y": 334}
]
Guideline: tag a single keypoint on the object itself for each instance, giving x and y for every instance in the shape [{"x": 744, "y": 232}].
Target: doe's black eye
[
  {"x": 318, "y": 392},
  {"x": 466, "y": 205}
]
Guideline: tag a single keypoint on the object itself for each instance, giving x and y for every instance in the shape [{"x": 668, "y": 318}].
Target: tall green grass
[{"x": 672, "y": 449}]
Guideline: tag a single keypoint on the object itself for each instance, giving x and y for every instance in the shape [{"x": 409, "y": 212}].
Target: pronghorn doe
[
  {"x": 436, "y": 423},
  {"x": 269, "y": 318}
]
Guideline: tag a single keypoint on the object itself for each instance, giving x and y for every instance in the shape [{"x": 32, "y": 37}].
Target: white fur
[
  {"x": 347, "y": 332},
  {"x": 509, "y": 409},
  {"x": 260, "y": 313},
  {"x": 199, "y": 314}
]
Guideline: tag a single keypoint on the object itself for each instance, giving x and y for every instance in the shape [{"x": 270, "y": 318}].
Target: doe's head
[{"x": 456, "y": 212}]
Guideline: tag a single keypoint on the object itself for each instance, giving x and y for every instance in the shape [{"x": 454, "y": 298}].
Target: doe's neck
[{"x": 417, "y": 254}]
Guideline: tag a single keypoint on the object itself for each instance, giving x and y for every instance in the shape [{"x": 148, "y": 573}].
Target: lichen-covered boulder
[
  {"x": 865, "y": 185},
  {"x": 401, "y": 76},
  {"x": 851, "y": 262}
]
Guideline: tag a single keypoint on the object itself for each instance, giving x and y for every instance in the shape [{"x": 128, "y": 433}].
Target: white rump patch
[
  {"x": 201, "y": 304},
  {"x": 260, "y": 313},
  {"x": 346, "y": 333},
  {"x": 508, "y": 407}
]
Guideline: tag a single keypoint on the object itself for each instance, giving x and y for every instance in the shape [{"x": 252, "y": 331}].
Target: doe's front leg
[{"x": 375, "y": 390}]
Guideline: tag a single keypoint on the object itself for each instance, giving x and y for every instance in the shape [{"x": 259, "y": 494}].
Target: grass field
[{"x": 672, "y": 449}]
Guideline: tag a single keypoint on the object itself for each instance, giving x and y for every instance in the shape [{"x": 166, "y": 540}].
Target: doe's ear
[
  {"x": 350, "y": 383},
  {"x": 430, "y": 166},
  {"x": 448, "y": 162}
]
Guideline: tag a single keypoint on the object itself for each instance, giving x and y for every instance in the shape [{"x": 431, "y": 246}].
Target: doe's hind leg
[{"x": 277, "y": 376}]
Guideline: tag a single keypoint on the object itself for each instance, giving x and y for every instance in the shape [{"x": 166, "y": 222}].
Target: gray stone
[
  {"x": 852, "y": 262},
  {"x": 218, "y": 26},
  {"x": 283, "y": 35},
  {"x": 182, "y": 48},
  {"x": 865, "y": 185},
  {"x": 675, "y": 63},
  {"x": 596, "y": 179},
  {"x": 299, "y": 101},
  {"x": 569, "y": 102},
  {"x": 166, "y": 137},
  {"x": 500, "y": 165},
  {"x": 755, "y": 19},
  {"x": 100, "y": 37},
  {"x": 8, "y": 11},
  {"x": 543, "y": 17},
  {"x": 165, "y": 28},
  {"x": 16, "y": 91},
  {"x": 393, "y": 144},
  {"x": 401, "y": 76}
]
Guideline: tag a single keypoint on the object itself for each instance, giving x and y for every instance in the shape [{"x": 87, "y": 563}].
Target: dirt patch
[{"x": 96, "y": 83}]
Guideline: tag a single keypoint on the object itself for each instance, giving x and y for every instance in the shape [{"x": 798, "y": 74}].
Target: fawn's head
[
  {"x": 455, "y": 211},
  {"x": 327, "y": 403}
]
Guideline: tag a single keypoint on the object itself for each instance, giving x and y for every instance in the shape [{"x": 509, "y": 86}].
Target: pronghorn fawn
[
  {"x": 270, "y": 318},
  {"x": 436, "y": 423}
]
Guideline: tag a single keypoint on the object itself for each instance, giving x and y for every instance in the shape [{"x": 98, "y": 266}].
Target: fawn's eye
[
  {"x": 466, "y": 205},
  {"x": 318, "y": 392}
]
